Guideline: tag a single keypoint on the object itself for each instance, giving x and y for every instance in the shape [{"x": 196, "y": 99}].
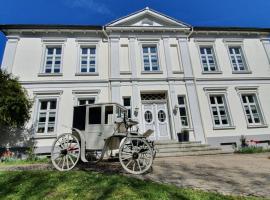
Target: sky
[{"x": 238, "y": 13}]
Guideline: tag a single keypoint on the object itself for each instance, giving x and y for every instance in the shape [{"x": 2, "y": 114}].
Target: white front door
[{"x": 155, "y": 117}]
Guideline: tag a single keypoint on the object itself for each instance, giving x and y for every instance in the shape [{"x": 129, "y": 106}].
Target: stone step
[
  {"x": 163, "y": 142},
  {"x": 191, "y": 149},
  {"x": 192, "y": 153},
  {"x": 179, "y": 145}
]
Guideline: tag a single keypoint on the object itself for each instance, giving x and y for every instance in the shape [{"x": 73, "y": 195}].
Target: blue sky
[{"x": 241, "y": 13}]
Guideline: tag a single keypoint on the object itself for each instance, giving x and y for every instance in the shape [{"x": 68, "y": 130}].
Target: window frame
[
  {"x": 150, "y": 42},
  {"x": 87, "y": 43},
  {"x": 217, "y": 70},
  {"x": 208, "y": 42},
  {"x": 88, "y": 55},
  {"x": 51, "y": 42},
  {"x": 222, "y": 91},
  {"x": 43, "y": 96},
  {"x": 128, "y": 107},
  {"x": 187, "y": 111},
  {"x": 238, "y": 43},
  {"x": 84, "y": 94},
  {"x": 252, "y": 91}
]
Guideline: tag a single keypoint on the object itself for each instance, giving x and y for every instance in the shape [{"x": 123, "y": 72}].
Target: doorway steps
[{"x": 174, "y": 148}]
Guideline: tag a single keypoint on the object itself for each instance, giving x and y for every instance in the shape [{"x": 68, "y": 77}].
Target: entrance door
[{"x": 155, "y": 117}]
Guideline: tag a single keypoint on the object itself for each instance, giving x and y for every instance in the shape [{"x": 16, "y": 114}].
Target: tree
[{"x": 15, "y": 106}]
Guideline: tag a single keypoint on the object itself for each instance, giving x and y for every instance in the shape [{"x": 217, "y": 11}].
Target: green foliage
[
  {"x": 92, "y": 185},
  {"x": 15, "y": 104},
  {"x": 251, "y": 149},
  {"x": 14, "y": 162}
]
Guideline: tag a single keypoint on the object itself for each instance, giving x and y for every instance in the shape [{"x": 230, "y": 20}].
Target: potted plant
[{"x": 183, "y": 136}]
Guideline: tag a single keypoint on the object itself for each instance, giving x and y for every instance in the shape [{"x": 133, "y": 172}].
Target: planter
[{"x": 183, "y": 136}]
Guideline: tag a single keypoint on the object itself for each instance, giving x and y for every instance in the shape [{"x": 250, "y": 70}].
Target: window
[
  {"x": 219, "y": 110},
  {"x": 86, "y": 101},
  {"x": 150, "y": 58},
  {"x": 252, "y": 109},
  {"x": 53, "y": 60},
  {"x": 95, "y": 115},
  {"x": 109, "y": 115},
  {"x": 46, "y": 116},
  {"x": 208, "y": 59},
  {"x": 237, "y": 59},
  {"x": 87, "y": 59},
  {"x": 127, "y": 104},
  {"x": 183, "y": 111}
]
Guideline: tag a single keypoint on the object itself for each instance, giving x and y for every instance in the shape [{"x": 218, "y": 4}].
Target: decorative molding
[
  {"x": 215, "y": 89},
  {"x": 245, "y": 88},
  {"x": 49, "y": 74},
  {"x": 85, "y": 91},
  {"x": 53, "y": 40},
  {"x": 87, "y": 74},
  {"x": 233, "y": 40},
  {"x": 205, "y": 40},
  {"x": 48, "y": 92},
  {"x": 87, "y": 40},
  {"x": 125, "y": 72},
  {"x": 152, "y": 72}
]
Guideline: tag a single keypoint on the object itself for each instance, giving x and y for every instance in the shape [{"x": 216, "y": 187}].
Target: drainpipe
[{"x": 109, "y": 72}]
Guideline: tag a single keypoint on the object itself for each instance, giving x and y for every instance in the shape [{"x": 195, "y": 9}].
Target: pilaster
[
  {"x": 192, "y": 95},
  {"x": 9, "y": 53}
]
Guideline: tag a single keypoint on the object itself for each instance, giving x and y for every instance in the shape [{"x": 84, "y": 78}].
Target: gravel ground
[{"x": 233, "y": 174}]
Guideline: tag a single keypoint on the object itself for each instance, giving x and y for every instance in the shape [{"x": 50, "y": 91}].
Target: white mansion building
[{"x": 213, "y": 81}]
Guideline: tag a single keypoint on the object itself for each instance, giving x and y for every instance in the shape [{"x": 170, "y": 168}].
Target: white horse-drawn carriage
[{"x": 103, "y": 130}]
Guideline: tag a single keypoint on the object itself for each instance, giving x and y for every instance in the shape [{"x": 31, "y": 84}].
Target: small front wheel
[
  {"x": 65, "y": 152},
  {"x": 136, "y": 155}
]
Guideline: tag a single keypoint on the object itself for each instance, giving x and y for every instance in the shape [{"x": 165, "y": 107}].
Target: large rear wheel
[
  {"x": 136, "y": 155},
  {"x": 65, "y": 152}
]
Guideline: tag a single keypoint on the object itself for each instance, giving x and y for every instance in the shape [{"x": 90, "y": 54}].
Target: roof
[
  {"x": 224, "y": 28},
  {"x": 48, "y": 26},
  {"x": 149, "y": 11}
]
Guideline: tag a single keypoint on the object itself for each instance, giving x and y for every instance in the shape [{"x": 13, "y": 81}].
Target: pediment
[{"x": 147, "y": 17}]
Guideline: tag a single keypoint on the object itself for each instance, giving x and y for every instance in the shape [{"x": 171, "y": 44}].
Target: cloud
[{"x": 92, "y": 5}]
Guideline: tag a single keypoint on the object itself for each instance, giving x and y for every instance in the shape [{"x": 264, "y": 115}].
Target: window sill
[
  {"x": 224, "y": 128},
  {"x": 44, "y": 136},
  {"x": 212, "y": 72},
  {"x": 178, "y": 72},
  {"x": 87, "y": 74},
  {"x": 242, "y": 72},
  {"x": 152, "y": 72},
  {"x": 49, "y": 74},
  {"x": 125, "y": 72},
  {"x": 258, "y": 126}
]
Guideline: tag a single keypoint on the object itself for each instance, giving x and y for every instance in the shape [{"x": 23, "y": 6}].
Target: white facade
[{"x": 215, "y": 82}]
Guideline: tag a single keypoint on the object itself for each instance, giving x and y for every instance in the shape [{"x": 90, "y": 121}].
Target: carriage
[{"x": 103, "y": 131}]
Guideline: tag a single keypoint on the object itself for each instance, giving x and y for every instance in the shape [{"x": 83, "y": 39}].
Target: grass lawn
[
  {"x": 24, "y": 162},
  {"x": 91, "y": 185}
]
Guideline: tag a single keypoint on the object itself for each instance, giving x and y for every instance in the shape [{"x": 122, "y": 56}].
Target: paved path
[
  {"x": 228, "y": 174},
  {"x": 233, "y": 174}
]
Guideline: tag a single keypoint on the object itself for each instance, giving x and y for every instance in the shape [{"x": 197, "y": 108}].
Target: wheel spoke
[
  {"x": 126, "y": 157},
  {"x": 139, "y": 165},
  {"x": 67, "y": 161},
  {"x": 63, "y": 164},
  {"x": 134, "y": 166},
  {"x": 71, "y": 160},
  {"x": 128, "y": 163}
]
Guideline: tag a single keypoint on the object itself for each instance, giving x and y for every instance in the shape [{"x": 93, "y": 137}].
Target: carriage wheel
[
  {"x": 65, "y": 152},
  {"x": 136, "y": 155}
]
